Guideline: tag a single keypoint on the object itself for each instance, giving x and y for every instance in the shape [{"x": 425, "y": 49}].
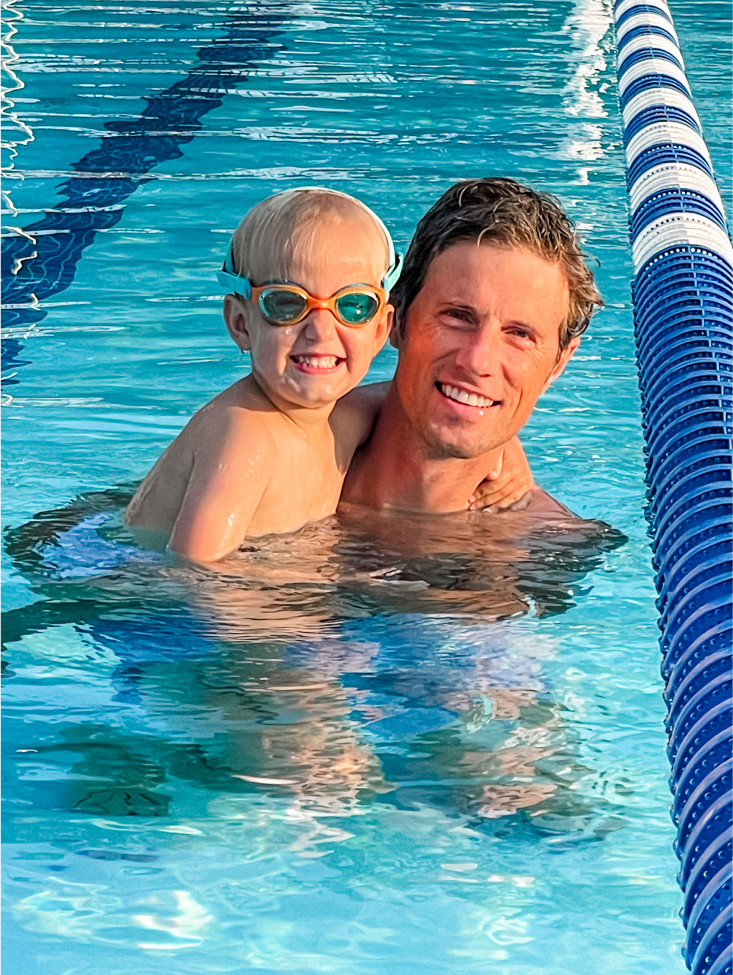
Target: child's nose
[{"x": 320, "y": 325}]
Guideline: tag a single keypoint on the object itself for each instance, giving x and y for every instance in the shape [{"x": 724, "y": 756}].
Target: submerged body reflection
[{"x": 363, "y": 659}]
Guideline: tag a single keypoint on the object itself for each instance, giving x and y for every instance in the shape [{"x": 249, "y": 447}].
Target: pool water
[{"x": 373, "y": 747}]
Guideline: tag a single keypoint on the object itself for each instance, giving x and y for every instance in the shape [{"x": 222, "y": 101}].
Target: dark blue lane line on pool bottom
[{"x": 44, "y": 263}]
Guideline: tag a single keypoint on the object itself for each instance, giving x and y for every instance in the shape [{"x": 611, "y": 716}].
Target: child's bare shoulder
[
  {"x": 227, "y": 435},
  {"x": 241, "y": 411}
]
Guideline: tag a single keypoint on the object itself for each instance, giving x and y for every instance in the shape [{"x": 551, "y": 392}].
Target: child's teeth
[
  {"x": 470, "y": 399},
  {"x": 318, "y": 362}
]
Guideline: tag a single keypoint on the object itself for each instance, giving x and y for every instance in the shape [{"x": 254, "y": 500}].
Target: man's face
[{"x": 480, "y": 343}]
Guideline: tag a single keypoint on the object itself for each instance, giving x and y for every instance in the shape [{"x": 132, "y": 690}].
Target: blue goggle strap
[
  {"x": 390, "y": 278},
  {"x": 231, "y": 281},
  {"x": 233, "y": 284},
  {"x": 395, "y": 260}
]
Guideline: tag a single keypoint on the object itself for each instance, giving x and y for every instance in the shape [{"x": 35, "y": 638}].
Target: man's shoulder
[
  {"x": 543, "y": 507},
  {"x": 547, "y": 515}
]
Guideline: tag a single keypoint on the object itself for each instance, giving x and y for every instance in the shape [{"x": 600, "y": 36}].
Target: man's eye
[
  {"x": 459, "y": 316},
  {"x": 521, "y": 333}
]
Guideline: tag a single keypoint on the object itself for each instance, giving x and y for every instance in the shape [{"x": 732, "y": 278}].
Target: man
[{"x": 490, "y": 307}]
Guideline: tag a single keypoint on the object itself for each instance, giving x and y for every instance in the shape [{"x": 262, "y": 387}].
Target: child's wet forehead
[{"x": 347, "y": 251}]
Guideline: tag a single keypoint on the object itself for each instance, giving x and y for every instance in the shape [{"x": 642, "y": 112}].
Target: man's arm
[{"x": 231, "y": 471}]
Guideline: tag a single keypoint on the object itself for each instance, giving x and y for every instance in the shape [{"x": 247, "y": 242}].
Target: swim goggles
[{"x": 287, "y": 304}]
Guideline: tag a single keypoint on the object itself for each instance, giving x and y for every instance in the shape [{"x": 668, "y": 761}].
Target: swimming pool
[{"x": 337, "y": 785}]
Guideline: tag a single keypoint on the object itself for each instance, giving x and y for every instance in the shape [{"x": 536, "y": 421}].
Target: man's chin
[{"x": 444, "y": 446}]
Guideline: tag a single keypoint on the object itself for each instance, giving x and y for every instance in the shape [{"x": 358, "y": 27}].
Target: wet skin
[
  {"x": 479, "y": 345},
  {"x": 485, "y": 324},
  {"x": 270, "y": 453}
]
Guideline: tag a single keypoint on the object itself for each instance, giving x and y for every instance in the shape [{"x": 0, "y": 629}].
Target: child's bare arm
[
  {"x": 230, "y": 474},
  {"x": 509, "y": 481},
  {"x": 355, "y": 414}
]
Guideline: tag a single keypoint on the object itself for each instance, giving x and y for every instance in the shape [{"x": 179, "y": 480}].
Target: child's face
[{"x": 313, "y": 363}]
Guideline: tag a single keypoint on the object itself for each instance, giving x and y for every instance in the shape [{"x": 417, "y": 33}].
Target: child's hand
[{"x": 509, "y": 481}]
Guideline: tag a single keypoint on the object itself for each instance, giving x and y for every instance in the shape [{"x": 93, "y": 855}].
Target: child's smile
[{"x": 316, "y": 365}]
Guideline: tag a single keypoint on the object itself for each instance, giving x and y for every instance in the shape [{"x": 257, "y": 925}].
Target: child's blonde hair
[{"x": 266, "y": 241}]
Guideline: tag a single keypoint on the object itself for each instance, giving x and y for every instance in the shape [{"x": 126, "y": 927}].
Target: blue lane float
[{"x": 683, "y": 306}]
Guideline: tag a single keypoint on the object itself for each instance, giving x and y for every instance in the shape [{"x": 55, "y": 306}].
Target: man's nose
[{"x": 479, "y": 352}]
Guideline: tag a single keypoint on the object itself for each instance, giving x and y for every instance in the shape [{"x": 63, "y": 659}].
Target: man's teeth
[
  {"x": 470, "y": 399},
  {"x": 317, "y": 361}
]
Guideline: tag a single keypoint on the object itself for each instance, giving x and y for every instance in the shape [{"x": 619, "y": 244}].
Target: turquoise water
[{"x": 357, "y": 752}]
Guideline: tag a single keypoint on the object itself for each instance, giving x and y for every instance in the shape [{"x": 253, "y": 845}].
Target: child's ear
[{"x": 235, "y": 317}]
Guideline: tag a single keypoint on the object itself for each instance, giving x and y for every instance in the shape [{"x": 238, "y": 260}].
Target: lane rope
[{"x": 683, "y": 310}]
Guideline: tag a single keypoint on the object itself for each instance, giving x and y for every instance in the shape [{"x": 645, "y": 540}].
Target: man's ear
[
  {"x": 396, "y": 336},
  {"x": 565, "y": 357},
  {"x": 384, "y": 327},
  {"x": 235, "y": 317}
]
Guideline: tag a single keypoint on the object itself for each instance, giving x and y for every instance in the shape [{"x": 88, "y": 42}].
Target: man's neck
[{"x": 398, "y": 470}]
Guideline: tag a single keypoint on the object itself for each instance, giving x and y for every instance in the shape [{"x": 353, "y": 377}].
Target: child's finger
[
  {"x": 492, "y": 486},
  {"x": 508, "y": 500},
  {"x": 486, "y": 489},
  {"x": 496, "y": 504},
  {"x": 496, "y": 488},
  {"x": 497, "y": 499},
  {"x": 484, "y": 500},
  {"x": 495, "y": 472}
]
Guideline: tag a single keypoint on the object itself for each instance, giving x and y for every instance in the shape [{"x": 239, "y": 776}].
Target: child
[{"x": 270, "y": 453}]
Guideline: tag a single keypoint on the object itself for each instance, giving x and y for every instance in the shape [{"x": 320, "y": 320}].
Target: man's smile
[{"x": 466, "y": 398}]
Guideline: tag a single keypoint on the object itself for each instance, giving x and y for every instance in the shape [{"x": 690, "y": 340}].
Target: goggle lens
[
  {"x": 283, "y": 306},
  {"x": 357, "y": 308}
]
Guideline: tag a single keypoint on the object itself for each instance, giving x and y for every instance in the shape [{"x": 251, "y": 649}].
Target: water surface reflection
[{"x": 365, "y": 659}]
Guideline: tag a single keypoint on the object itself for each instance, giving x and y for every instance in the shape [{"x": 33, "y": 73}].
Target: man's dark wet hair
[{"x": 501, "y": 211}]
